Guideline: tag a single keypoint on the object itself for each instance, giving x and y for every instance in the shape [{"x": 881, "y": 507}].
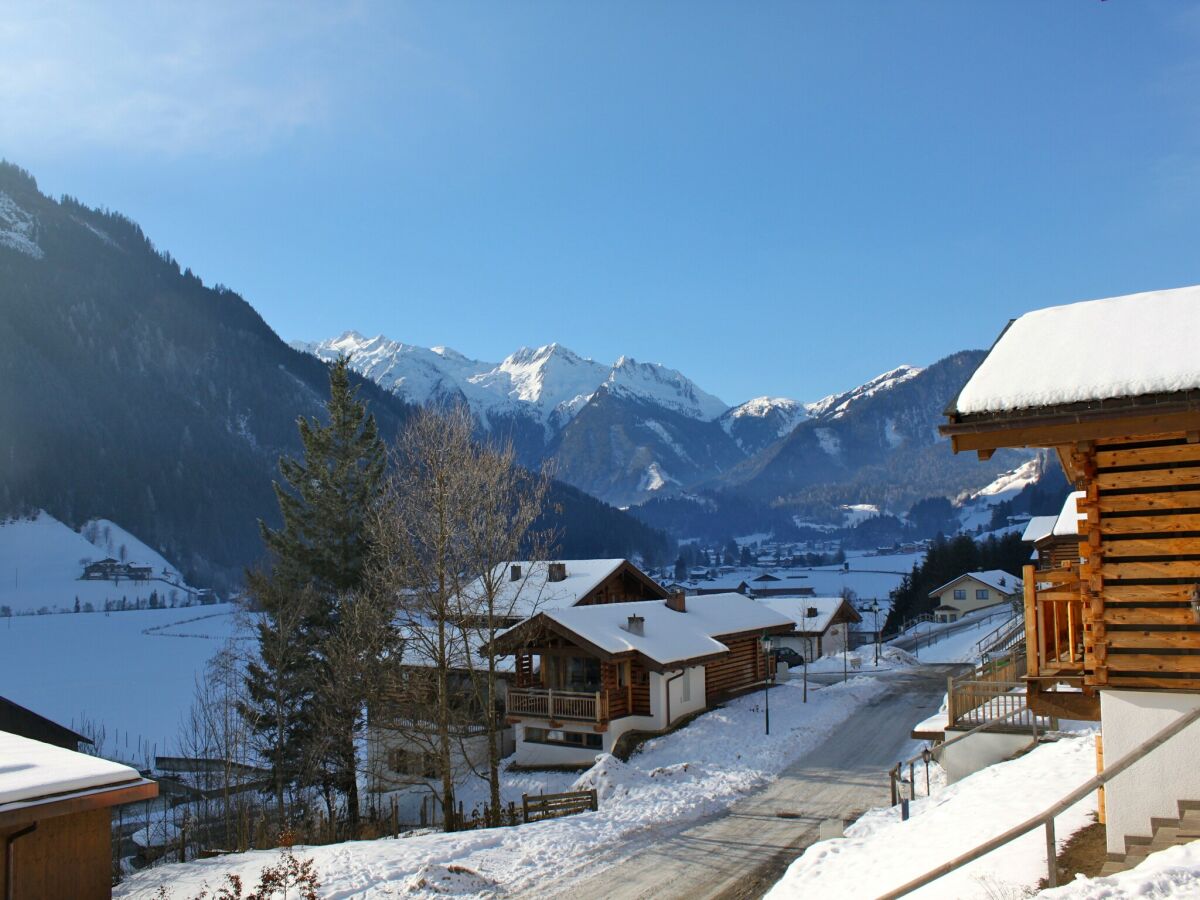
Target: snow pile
[
  {"x": 696, "y": 771},
  {"x": 862, "y": 661},
  {"x": 41, "y": 560},
  {"x": 18, "y": 228},
  {"x": 880, "y": 852},
  {"x": 1054, "y": 356},
  {"x": 1172, "y": 874}
]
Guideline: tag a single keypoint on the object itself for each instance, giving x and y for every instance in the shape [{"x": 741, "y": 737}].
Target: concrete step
[{"x": 1112, "y": 868}]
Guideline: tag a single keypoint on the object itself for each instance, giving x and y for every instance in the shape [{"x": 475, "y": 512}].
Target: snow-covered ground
[
  {"x": 41, "y": 560},
  {"x": 132, "y": 673},
  {"x": 679, "y": 777},
  {"x": 880, "y": 852},
  {"x": 960, "y": 647},
  {"x": 1172, "y": 874}
]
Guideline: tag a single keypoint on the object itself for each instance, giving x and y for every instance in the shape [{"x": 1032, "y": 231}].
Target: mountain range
[
  {"x": 132, "y": 391},
  {"x": 633, "y": 433}
]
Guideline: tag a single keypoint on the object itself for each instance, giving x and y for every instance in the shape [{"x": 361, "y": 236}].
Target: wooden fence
[{"x": 551, "y": 806}]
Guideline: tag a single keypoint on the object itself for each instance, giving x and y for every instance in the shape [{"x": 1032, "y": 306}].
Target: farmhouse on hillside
[
  {"x": 972, "y": 591},
  {"x": 1113, "y": 386},
  {"x": 586, "y": 676},
  {"x": 55, "y": 818},
  {"x": 397, "y": 760}
]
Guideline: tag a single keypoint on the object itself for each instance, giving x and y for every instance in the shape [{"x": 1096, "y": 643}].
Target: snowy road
[{"x": 741, "y": 853}]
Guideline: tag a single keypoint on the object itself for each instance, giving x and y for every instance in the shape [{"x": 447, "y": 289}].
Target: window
[
  {"x": 685, "y": 686},
  {"x": 413, "y": 762},
  {"x": 960, "y": 593},
  {"x": 588, "y": 739},
  {"x": 981, "y": 594}
]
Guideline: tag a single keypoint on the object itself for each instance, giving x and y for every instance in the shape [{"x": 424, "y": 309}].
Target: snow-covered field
[
  {"x": 41, "y": 560},
  {"x": 677, "y": 778},
  {"x": 959, "y": 647},
  {"x": 130, "y": 672},
  {"x": 880, "y": 852}
]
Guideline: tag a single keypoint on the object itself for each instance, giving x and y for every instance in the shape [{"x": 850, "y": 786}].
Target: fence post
[
  {"x": 550, "y": 703},
  {"x": 595, "y": 798},
  {"x": 1051, "y": 855},
  {"x": 525, "y": 808}
]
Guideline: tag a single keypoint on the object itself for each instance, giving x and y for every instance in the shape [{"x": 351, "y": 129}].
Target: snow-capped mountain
[
  {"x": 758, "y": 423},
  {"x": 549, "y": 384},
  {"x": 837, "y": 405}
]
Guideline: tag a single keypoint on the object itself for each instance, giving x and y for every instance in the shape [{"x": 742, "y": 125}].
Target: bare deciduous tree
[{"x": 452, "y": 510}]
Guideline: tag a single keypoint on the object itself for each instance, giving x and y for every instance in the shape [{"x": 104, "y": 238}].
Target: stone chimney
[
  {"x": 677, "y": 601},
  {"x": 516, "y": 572},
  {"x": 636, "y": 625},
  {"x": 558, "y": 571}
]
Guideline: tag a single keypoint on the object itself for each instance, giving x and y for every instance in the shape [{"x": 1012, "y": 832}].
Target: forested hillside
[{"x": 134, "y": 392}]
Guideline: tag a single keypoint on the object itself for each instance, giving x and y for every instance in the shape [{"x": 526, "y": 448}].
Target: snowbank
[
  {"x": 677, "y": 778},
  {"x": 1169, "y": 874},
  {"x": 879, "y": 852}
]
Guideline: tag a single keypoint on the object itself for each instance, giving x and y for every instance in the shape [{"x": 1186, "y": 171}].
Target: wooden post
[
  {"x": 525, "y": 808},
  {"x": 1031, "y": 635},
  {"x": 1051, "y": 855}
]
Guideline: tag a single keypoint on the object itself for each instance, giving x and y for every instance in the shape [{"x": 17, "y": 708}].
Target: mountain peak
[{"x": 835, "y": 405}]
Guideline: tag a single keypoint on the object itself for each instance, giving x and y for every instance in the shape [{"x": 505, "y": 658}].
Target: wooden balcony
[
  {"x": 1054, "y": 645},
  {"x": 1054, "y": 622},
  {"x": 566, "y": 706}
]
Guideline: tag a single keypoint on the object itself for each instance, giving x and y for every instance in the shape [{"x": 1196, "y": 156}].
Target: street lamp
[
  {"x": 873, "y": 609},
  {"x": 766, "y": 646}
]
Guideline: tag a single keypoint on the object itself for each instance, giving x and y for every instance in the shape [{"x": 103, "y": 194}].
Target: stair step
[{"x": 1112, "y": 868}]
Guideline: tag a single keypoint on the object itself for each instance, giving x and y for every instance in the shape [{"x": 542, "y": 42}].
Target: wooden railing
[
  {"x": 551, "y": 704},
  {"x": 975, "y": 702},
  {"x": 1001, "y": 638},
  {"x": 1054, "y": 622}
]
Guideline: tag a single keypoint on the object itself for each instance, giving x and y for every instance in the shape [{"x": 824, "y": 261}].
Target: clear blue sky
[{"x": 775, "y": 198}]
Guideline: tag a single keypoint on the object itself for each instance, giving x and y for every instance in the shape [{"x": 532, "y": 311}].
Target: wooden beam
[
  {"x": 985, "y": 455},
  {"x": 1057, "y": 431}
]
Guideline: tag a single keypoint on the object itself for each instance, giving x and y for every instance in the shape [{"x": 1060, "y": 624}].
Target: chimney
[
  {"x": 637, "y": 625},
  {"x": 677, "y": 601},
  {"x": 516, "y": 572},
  {"x": 812, "y": 612},
  {"x": 558, "y": 571}
]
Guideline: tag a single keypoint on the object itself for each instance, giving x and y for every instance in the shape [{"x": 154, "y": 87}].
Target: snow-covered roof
[
  {"x": 534, "y": 590},
  {"x": 1038, "y": 528},
  {"x": 797, "y": 609},
  {"x": 30, "y": 770},
  {"x": 997, "y": 579},
  {"x": 1096, "y": 350},
  {"x": 1068, "y": 520},
  {"x": 668, "y": 637}
]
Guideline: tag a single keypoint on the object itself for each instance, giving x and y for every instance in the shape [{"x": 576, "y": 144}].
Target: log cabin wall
[
  {"x": 640, "y": 680},
  {"x": 1141, "y": 550},
  {"x": 622, "y": 586},
  {"x": 620, "y": 697},
  {"x": 742, "y": 668},
  {"x": 65, "y": 856}
]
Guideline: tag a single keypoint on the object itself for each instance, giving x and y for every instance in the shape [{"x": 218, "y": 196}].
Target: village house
[
  {"x": 109, "y": 569},
  {"x": 1113, "y": 386},
  {"x": 55, "y": 819},
  {"x": 822, "y": 624},
  {"x": 586, "y": 676},
  {"x": 972, "y": 591},
  {"x": 398, "y": 761},
  {"x": 1055, "y": 539}
]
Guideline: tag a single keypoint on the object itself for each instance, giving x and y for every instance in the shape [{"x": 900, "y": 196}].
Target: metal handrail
[{"x": 1046, "y": 818}]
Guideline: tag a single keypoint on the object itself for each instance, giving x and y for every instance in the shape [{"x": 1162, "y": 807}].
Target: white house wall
[{"x": 1152, "y": 786}]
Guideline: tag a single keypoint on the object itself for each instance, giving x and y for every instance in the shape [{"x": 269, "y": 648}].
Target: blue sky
[{"x": 775, "y": 198}]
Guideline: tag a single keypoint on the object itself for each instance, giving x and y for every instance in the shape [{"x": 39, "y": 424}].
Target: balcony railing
[
  {"x": 1054, "y": 621},
  {"x": 550, "y": 704}
]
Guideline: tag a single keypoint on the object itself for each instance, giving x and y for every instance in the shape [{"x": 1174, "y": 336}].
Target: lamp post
[
  {"x": 766, "y": 647},
  {"x": 873, "y": 609}
]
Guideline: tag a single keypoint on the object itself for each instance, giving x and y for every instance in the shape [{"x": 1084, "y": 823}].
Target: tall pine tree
[{"x": 318, "y": 557}]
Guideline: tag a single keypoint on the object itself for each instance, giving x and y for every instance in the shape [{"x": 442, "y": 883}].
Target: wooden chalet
[
  {"x": 585, "y": 676},
  {"x": 822, "y": 624},
  {"x": 55, "y": 819},
  {"x": 1113, "y": 619}
]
